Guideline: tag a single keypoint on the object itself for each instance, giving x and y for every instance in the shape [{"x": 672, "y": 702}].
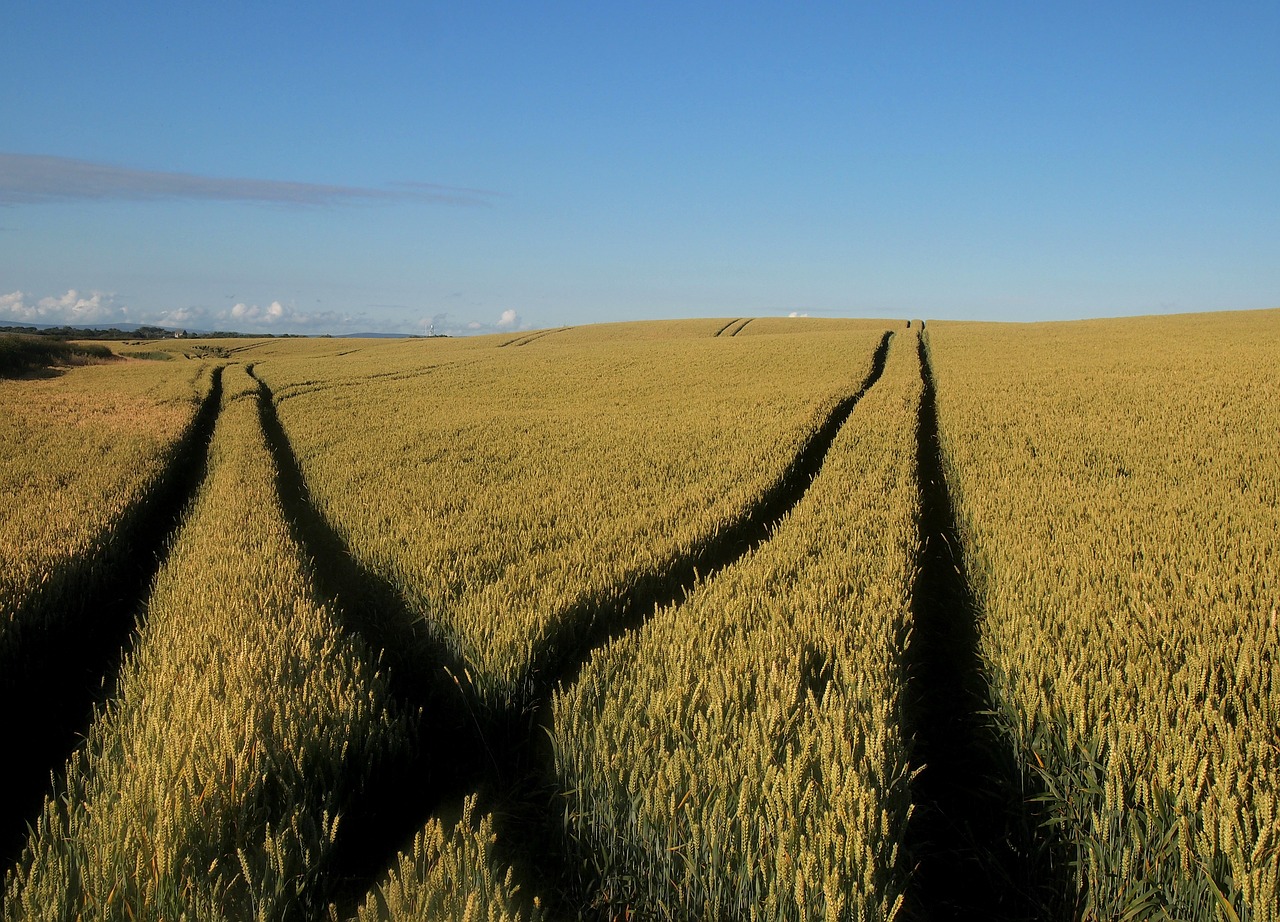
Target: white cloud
[
  {"x": 102, "y": 309},
  {"x": 272, "y": 314},
  {"x": 245, "y": 317},
  {"x": 508, "y": 321},
  {"x": 13, "y": 306},
  {"x": 797, "y": 314},
  {"x": 183, "y": 316},
  {"x": 70, "y": 308}
]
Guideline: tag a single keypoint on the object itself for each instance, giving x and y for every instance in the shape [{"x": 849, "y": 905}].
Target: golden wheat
[
  {"x": 1117, "y": 485},
  {"x": 212, "y": 785},
  {"x": 505, "y": 491},
  {"x": 77, "y": 453},
  {"x": 742, "y": 756}
]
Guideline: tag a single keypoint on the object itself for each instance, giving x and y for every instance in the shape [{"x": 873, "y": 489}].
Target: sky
[{"x": 474, "y": 167}]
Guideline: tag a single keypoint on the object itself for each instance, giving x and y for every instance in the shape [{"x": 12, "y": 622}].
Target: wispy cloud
[{"x": 37, "y": 179}]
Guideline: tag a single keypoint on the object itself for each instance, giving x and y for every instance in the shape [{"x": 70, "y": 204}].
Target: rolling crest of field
[{"x": 560, "y": 540}]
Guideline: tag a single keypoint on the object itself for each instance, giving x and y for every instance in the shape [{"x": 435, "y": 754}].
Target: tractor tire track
[
  {"x": 527, "y": 804},
  {"x": 303, "y": 388},
  {"x": 53, "y": 675},
  {"x": 503, "y": 755},
  {"x": 593, "y": 623},
  {"x": 967, "y": 839},
  {"x": 410, "y": 786},
  {"x": 726, "y": 326},
  {"x": 743, "y": 327},
  {"x": 525, "y": 340}
]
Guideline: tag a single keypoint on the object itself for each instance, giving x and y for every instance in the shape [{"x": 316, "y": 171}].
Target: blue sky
[{"x": 481, "y": 166}]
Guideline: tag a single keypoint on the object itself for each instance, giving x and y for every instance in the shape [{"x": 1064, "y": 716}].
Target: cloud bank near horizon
[
  {"x": 70, "y": 308},
  {"x": 104, "y": 309},
  {"x": 100, "y": 308},
  {"x": 36, "y": 179}
]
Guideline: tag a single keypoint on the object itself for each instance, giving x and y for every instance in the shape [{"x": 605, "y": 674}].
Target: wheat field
[{"x": 616, "y": 621}]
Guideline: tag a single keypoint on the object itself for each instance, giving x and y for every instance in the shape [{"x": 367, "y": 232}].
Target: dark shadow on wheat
[{"x": 62, "y": 654}]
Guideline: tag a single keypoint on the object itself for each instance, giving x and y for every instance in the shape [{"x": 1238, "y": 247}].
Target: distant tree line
[{"x": 142, "y": 332}]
